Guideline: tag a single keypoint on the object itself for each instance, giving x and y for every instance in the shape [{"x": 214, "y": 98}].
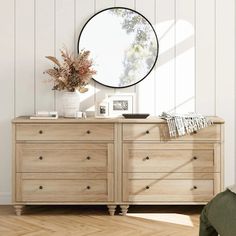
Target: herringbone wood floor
[{"x": 94, "y": 220}]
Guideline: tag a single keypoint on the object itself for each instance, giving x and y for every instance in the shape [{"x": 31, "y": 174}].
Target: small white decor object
[
  {"x": 102, "y": 109},
  {"x": 71, "y": 103},
  {"x": 182, "y": 124},
  {"x": 120, "y": 103},
  {"x": 79, "y": 114}
]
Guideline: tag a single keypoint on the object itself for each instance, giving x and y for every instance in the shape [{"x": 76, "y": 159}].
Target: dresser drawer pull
[
  {"x": 194, "y": 187},
  {"x": 40, "y": 187},
  {"x": 40, "y": 131},
  {"x": 88, "y": 131},
  {"x": 88, "y": 157},
  {"x": 88, "y": 187},
  {"x": 40, "y": 158},
  {"x": 147, "y": 158},
  {"x": 147, "y": 132},
  {"x": 147, "y": 187},
  {"x": 195, "y": 132},
  {"x": 194, "y": 158}
]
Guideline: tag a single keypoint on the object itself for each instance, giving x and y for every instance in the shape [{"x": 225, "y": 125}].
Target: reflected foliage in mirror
[{"x": 123, "y": 44}]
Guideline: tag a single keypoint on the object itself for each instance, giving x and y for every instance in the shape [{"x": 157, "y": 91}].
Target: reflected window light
[{"x": 172, "y": 218}]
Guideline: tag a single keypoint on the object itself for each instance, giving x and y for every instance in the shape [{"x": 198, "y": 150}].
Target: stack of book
[{"x": 45, "y": 115}]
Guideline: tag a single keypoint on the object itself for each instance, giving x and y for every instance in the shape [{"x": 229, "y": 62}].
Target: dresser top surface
[{"x": 26, "y": 119}]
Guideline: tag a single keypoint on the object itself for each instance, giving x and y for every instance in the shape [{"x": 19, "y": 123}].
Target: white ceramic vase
[{"x": 71, "y": 103}]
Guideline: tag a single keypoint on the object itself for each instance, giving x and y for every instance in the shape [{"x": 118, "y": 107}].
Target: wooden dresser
[{"x": 114, "y": 162}]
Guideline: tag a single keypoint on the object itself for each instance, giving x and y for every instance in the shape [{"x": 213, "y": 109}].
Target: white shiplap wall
[{"x": 195, "y": 69}]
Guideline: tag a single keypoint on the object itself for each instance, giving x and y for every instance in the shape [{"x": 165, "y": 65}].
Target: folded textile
[{"x": 181, "y": 124}]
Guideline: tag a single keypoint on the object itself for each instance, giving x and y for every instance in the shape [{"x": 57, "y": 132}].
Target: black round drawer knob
[
  {"x": 195, "y": 132},
  {"x": 40, "y": 187},
  {"x": 40, "y": 158},
  {"x": 194, "y": 158},
  {"x": 147, "y": 132},
  {"x": 194, "y": 187},
  {"x": 88, "y": 158},
  {"x": 147, "y": 187},
  {"x": 40, "y": 131},
  {"x": 147, "y": 158},
  {"x": 88, "y": 131},
  {"x": 88, "y": 187}
]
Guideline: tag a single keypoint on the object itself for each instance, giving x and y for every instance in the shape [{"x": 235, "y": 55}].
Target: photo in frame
[
  {"x": 120, "y": 103},
  {"x": 102, "y": 109}
]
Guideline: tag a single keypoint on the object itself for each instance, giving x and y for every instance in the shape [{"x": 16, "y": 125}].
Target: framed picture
[
  {"x": 120, "y": 103},
  {"x": 102, "y": 109}
]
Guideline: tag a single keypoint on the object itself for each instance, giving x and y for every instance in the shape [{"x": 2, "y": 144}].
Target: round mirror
[{"x": 123, "y": 45}]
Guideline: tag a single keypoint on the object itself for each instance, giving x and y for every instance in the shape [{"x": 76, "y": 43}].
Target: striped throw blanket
[{"x": 180, "y": 125}]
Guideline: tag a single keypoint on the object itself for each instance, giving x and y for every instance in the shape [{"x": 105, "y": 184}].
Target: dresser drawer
[
  {"x": 64, "y": 157},
  {"x": 171, "y": 158},
  {"x": 158, "y": 132},
  {"x": 144, "y": 189},
  {"x": 64, "y": 188},
  {"x": 64, "y": 132}
]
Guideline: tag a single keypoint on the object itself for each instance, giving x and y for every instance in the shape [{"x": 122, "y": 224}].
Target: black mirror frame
[{"x": 78, "y": 50}]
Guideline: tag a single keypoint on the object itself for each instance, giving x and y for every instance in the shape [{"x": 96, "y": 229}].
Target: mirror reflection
[{"x": 123, "y": 45}]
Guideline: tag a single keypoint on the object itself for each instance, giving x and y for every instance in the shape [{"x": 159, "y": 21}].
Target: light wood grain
[
  {"x": 64, "y": 190},
  {"x": 169, "y": 145},
  {"x": 94, "y": 220},
  {"x": 156, "y": 132},
  {"x": 145, "y": 132},
  {"x": 121, "y": 169},
  {"x": 13, "y": 169},
  {"x": 71, "y": 158},
  {"x": 222, "y": 155},
  {"x": 168, "y": 190},
  {"x": 174, "y": 160},
  {"x": 62, "y": 132},
  {"x": 169, "y": 175},
  {"x": 149, "y": 120}
]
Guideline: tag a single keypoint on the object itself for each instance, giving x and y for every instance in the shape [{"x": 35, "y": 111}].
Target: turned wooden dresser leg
[
  {"x": 111, "y": 209},
  {"x": 18, "y": 209},
  {"x": 124, "y": 209}
]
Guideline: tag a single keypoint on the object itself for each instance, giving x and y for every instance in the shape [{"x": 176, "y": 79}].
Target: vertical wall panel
[
  {"x": 45, "y": 28},
  {"x": 6, "y": 96},
  {"x": 165, "y": 70},
  {"x": 24, "y": 57},
  {"x": 125, "y": 3},
  {"x": 146, "y": 88},
  {"x": 100, "y": 90},
  {"x": 85, "y": 10},
  {"x": 225, "y": 80},
  {"x": 205, "y": 57},
  {"x": 129, "y": 4},
  {"x": 185, "y": 62},
  {"x": 64, "y": 35}
]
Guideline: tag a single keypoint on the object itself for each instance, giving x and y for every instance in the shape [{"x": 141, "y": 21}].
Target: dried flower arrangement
[{"x": 74, "y": 73}]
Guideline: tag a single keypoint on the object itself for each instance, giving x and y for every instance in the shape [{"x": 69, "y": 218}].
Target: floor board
[{"x": 94, "y": 220}]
